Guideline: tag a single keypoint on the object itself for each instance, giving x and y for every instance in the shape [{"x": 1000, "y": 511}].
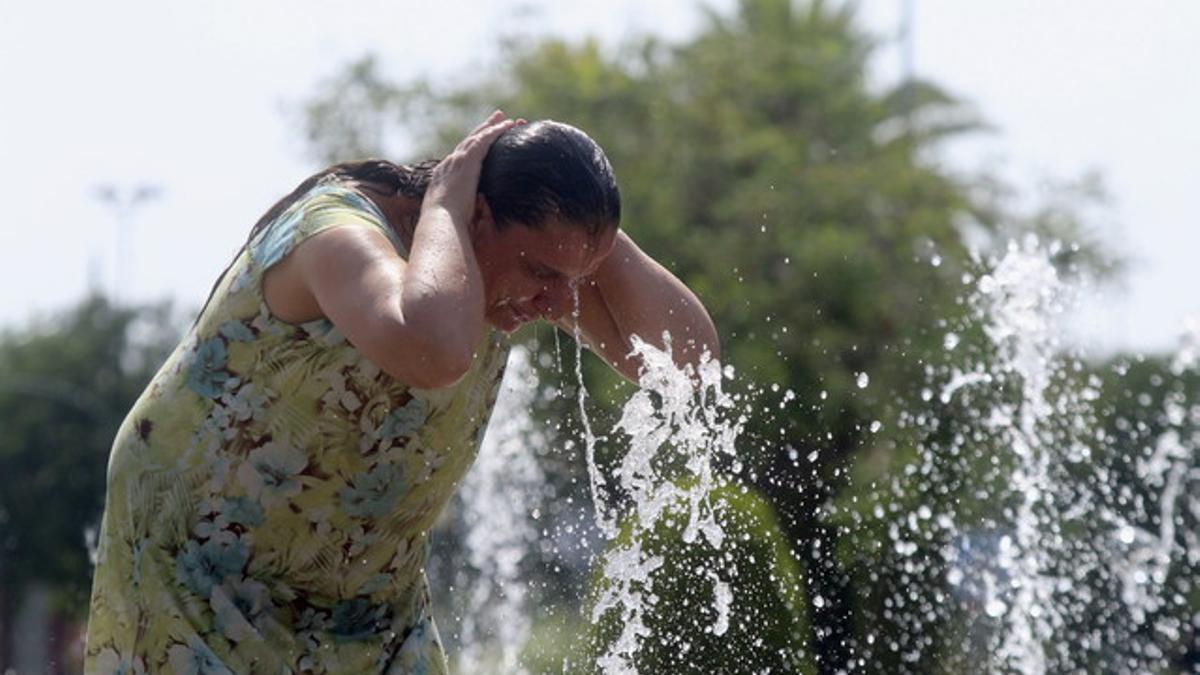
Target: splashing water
[
  {"x": 682, "y": 414},
  {"x": 1188, "y": 356},
  {"x": 1142, "y": 556},
  {"x": 1062, "y": 531},
  {"x": 1024, "y": 297},
  {"x": 499, "y": 496}
]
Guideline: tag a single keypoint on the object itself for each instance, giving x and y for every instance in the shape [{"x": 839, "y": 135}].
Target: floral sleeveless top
[{"x": 270, "y": 495}]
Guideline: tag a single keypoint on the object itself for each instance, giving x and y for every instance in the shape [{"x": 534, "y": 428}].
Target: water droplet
[
  {"x": 863, "y": 380},
  {"x": 995, "y": 608},
  {"x": 876, "y": 426},
  {"x": 950, "y": 341}
]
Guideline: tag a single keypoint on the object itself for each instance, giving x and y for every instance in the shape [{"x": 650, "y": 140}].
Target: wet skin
[{"x": 529, "y": 273}]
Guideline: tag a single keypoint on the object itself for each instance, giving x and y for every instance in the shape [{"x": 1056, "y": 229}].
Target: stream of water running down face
[{"x": 605, "y": 522}]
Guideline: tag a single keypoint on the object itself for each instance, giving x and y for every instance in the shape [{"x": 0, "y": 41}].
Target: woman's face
[{"x": 530, "y": 273}]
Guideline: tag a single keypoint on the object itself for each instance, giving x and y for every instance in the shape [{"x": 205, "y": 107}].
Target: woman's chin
[{"x": 503, "y": 319}]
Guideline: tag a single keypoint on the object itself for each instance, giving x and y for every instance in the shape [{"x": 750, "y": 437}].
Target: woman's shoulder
[
  {"x": 329, "y": 204},
  {"x": 334, "y": 198}
]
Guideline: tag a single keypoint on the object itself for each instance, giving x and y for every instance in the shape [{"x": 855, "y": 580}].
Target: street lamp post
[
  {"x": 125, "y": 202},
  {"x": 908, "y": 57}
]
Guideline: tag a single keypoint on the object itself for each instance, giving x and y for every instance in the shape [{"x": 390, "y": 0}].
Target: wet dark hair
[
  {"x": 548, "y": 170},
  {"x": 534, "y": 173}
]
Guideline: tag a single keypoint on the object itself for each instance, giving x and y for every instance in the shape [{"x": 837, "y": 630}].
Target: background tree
[{"x": 65, "y": 386}]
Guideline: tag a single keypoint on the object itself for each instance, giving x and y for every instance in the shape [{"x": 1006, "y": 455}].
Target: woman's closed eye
[{"x": 544, "y": 273}]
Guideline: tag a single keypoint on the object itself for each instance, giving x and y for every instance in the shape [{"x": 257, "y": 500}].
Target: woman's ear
[{"x": 481, "y": 221}]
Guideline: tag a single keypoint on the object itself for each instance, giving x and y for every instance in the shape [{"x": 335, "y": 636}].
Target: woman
[{"x": 271, "y": 493}]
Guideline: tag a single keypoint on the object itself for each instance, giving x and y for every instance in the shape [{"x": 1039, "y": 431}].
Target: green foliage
[
  {"x": 360, "y": 107},
  {"x": 65, "y": 387},
  {"x": 768, "y": 629}
]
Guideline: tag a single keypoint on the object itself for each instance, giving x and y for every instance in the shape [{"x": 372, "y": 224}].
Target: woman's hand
[
  {"x": 442, "y": 294},
  {"x": 455, "y": 181},
  {"x": 632, "y": 294},
  {"x": 420, "y": 319}
]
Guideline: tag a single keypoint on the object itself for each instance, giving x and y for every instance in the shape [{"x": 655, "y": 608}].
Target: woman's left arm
[{"x": 631, "y": 294}]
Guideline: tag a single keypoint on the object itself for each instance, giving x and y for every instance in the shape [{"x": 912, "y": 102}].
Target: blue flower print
[
  {"x": 202, "y": 566},
  {"x": 196, "y": 659},
  {"x": 109, "y": 662},
  {"x": 373, "y": 494},
  {"x": 270, "y": 473},
  {"x": 236, "y": 331},
  {"x": 244, "y": 512},
  {"x": 238, "y": 606},
  {"x": 216, "y": 517},
  {"x": 356, "y": 619},
  {"x": 270, "y": 246},
  {"x": 207, "y": 376},
  {"x": 376, "y": 583},
  {"x": 414, "y": 653},
  {"x": 405, "y": 420}
]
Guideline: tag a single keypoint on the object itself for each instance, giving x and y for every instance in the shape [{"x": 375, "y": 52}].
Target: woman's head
[
  {"x": 554, "y": 206},
  {"x": 552, "y": 212},
  {"x": 547, "y": 170}
]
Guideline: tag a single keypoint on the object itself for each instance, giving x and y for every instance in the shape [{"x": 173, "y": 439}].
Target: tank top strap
[{"x": 328, "y": 205}]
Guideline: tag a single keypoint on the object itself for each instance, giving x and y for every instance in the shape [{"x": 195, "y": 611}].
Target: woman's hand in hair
[
  {"x": 442, "y": 294},
  {"x": 455, "y": 181}
]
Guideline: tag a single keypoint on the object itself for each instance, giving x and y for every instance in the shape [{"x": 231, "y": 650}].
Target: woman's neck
[{"x": 400, "y": 211}]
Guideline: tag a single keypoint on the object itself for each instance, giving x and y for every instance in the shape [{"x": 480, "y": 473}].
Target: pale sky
[{"x": 200, "y": 99}]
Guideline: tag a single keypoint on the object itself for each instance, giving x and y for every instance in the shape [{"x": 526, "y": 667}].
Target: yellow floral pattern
[{"x": 270, "y": 495}]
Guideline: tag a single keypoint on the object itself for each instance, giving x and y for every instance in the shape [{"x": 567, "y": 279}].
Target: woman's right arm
[{"x": 421, "y": 320}]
